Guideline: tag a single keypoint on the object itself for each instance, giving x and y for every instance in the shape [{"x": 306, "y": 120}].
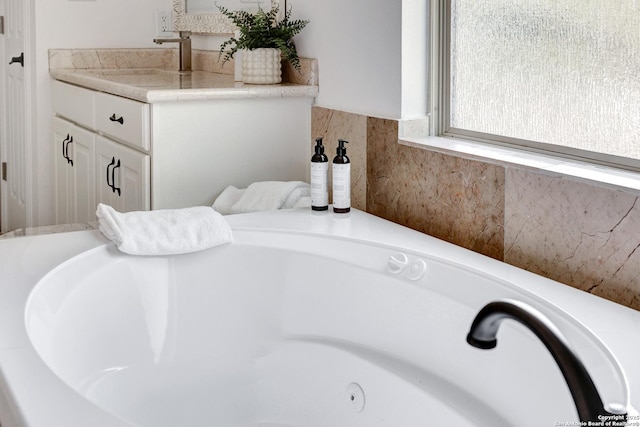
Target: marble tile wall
[
  {"x": 209, "y": 60},
  {"x": 458, "y": 200},
  {"x": 332, "y": 125},
  {"x": 112, "y": 58},
  {"x": 576, "y": 233},
  {"x": 162, "y": 58},
  {"x": 580, "y": 234}
]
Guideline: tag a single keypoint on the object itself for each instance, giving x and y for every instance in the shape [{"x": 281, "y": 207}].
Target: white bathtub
[{"x": 306, "y": 320}]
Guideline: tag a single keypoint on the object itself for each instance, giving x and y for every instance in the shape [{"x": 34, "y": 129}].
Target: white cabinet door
[
  {"x": 75, "y": 170},
  {"x": 122, "y": 176},
  {"x": 84, "y": 174},
  {"x": 105, "y": 173},
  {"x": 135, "y": 179}
]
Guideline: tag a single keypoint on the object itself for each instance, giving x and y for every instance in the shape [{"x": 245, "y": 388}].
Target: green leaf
[{"x": 262, "y": 30}]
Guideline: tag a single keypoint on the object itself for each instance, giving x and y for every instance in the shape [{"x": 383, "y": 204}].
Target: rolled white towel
[
  {"x": 261, "y": 196},
  {"x": 296, "y": 195},
  {"x": 225, "y": 201},
  {"x": 164, "y": 232},
  {"x": 303, "y": 202}
]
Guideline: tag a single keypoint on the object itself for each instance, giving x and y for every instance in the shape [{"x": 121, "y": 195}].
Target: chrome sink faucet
[
  {"x": 585, "y": 395},
  {"x": 184, "y": 47}
]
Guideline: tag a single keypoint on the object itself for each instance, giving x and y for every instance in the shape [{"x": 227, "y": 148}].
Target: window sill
[{"x": 544, "y": 163}]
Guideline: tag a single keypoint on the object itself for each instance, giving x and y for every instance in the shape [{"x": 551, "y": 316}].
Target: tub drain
[{"x": 354, "y": 396}]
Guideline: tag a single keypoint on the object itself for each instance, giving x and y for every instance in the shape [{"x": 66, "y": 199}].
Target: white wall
[
  {"x": 415, "y": 64},
  {"x": 78, "y": 24},
  {"x": 358, "y": 47},
  {"x": 372, "y": 54}
]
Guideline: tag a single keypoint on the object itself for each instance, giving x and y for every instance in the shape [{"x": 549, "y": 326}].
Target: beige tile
[
  {"x": 307, "y": 75},
  {"x": 112, "y": 58},
  {"x": 457, "y": 200},
  {"x": 579, "y": 234},
  {"x": 333, "y": 125},
  {"x": 210, "y": 61}
]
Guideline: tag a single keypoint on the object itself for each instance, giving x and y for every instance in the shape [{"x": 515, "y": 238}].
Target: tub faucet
[
  {"x": 483, "y": 333},
  {"x": 184, "y": 47}
]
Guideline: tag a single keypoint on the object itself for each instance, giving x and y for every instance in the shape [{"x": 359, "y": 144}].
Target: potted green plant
[{"x": 264, "y": 41}]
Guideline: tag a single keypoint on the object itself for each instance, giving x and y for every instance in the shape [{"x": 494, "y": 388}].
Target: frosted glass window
[{"x": 562, "y": 72}]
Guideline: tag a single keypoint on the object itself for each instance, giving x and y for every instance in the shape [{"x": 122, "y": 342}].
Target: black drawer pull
[{"x": 119, "y": 119}]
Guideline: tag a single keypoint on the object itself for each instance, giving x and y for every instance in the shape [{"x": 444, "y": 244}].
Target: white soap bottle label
[
  {"x": 341, "y": 185},
  {"x": 319, "y": 184}
]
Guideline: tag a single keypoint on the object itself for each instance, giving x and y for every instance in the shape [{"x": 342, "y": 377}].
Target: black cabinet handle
[
  {"x": 119, "y": 119},
  {"x": 113, "y": 179},
  {"x": 18, "y": 59},
  {"x": 112, "y": 184},
  {"x": 113, "y": 162},
  {"x": 65, "y": 148},
  {"x": 69, "y": 160}
]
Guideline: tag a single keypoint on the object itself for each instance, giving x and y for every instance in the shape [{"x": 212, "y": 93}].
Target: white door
[
  {"x": 14, "y": 188},
  {"x": 3, "y": 127}
]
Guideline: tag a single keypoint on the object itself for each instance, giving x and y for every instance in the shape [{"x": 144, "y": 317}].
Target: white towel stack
[
  {"x": 164, "y": 232},
  {"x": 263, "y": 196}
]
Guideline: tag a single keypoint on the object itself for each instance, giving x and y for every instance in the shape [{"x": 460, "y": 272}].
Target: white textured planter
[{"x": 261, "y": 66}]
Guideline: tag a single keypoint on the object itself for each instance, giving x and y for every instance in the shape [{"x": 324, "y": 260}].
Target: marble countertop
[{"x": 157, "y": 85}]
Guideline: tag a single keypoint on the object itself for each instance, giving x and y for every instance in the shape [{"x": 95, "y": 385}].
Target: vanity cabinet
[
  {"x": 91, "y": 165},
  {"x": 176, "y": 151}
]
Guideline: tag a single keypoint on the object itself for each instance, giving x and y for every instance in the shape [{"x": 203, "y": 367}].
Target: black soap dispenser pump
[
  {"x": 319, "y": 178},
  {"x": 341, "y": 179}
]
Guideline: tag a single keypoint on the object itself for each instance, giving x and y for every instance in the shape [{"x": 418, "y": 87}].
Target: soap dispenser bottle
[
  {"x": 341, "y": 179},
  {"x": 319, "y": 178}
]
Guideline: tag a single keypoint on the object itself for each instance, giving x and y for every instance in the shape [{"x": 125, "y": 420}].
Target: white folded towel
[
  {"x": 263, "y": 196},
  {"x": 164, "y": 232}
]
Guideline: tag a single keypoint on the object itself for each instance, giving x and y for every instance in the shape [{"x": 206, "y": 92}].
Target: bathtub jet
[{"x": 588, "y": 402}]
